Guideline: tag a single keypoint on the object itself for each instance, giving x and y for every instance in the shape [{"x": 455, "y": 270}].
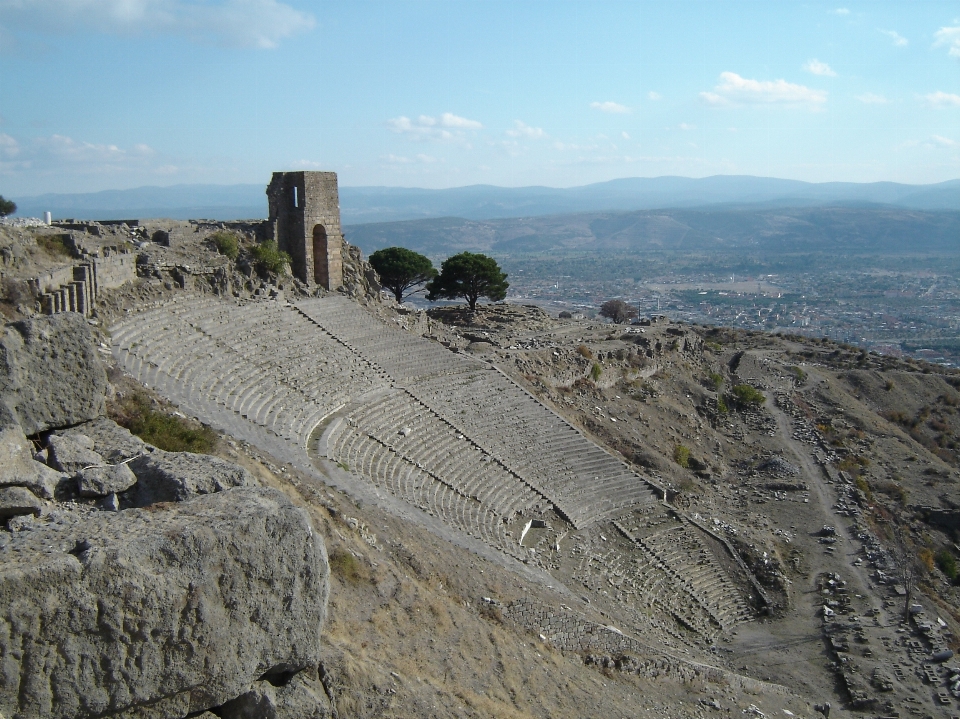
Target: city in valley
[{"x": 904, "y": 309}]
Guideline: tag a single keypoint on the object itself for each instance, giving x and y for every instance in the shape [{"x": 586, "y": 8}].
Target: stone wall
[
  {"x": 75, "y": 289},
  {"x": 946, "y": 518}
]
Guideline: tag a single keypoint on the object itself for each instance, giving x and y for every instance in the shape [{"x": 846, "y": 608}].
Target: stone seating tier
[
  {"x": 646, "y": 579},
  {"x": 529, "y": 439},
  {"x": 479, "y": 449},
  {"x": 170, "y": 345},
  {"x": 686, "y": 556},
  {"x": 403, "y": 478},
  {"x": 435, "y": 447}
]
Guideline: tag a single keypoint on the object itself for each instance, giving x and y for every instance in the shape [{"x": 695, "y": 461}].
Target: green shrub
[
  {"x": 54, "y": 245},
  {"x": 853, "y": 464},
  {"x": 269, "y": 258},
  {"x": 716, "y": 379},
  {"x": 681, "y": 455},
  {"x": 595, "y": 372},
  {"x": 722, "y": 406},
  {"x": 947, "y": 563},
  {"x": 168, "y": 432},
  {"x": 227, "y": 244},
  {"x": 746, "y": 394},
  {"x": 896, "y": 416},
  {"x": 891, "y": 489},
  {"x": 345, "y": 566}
]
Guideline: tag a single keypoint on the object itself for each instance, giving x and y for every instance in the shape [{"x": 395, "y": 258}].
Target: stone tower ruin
[{"x": 305, "y": 219}]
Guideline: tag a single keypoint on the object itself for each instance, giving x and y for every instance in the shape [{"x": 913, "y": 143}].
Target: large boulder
[
  {"x": 159, "y": 612},
  {"x": 18, "y": 468},
  {"x": 176, "y": 476},
  {"x": 50, "y": 374},
  {"x": 302, "y": 697},
  {"x": 113, "y": 442},
  {"x": 71, "y": 454},
  {"x": 103, "y": 481},
  {"x": 16, "y": 501}
]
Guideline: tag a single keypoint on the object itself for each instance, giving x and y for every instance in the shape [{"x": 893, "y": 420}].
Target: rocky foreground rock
[
  {"x": 50, "y": 374},
  {"x": 170, "y": 609},
  {"x": 136, "y": 582}
]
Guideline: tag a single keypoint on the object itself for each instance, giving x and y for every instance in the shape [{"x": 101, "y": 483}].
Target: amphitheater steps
[
  {"x": 227, "y": 355},
  {"x": 433, "y": 445},
  {"x": 478, "y": 449},
  {"x": 398, "y": 474},
  {"x": 693, "y": 567},
  {"x": 582, "y": 480}
]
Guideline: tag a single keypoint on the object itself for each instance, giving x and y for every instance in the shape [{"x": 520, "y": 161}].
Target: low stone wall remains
[{"x": 75, "y": 289}]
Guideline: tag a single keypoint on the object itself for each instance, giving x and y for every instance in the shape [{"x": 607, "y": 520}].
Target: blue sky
[{"x": 101, "y": 94}]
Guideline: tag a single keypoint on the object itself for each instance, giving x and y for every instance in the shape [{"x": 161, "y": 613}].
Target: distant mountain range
[
  {"x": 791, "y": 230},
  {"x": 482, "y": 202}
]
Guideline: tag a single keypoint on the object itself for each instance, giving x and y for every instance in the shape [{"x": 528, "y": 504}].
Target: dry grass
[{"x": 166, "y": 431}]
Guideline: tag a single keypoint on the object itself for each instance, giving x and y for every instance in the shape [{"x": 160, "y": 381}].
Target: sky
[{"x": 113, "y": 94}]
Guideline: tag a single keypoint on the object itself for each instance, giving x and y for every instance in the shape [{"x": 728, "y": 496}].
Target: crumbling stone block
[
  {"x": 72, "y": 454},
  {"x": 177, "y": 476},
  {"x": 103, "y": 481},
  {"x": 16, "y": 501}
]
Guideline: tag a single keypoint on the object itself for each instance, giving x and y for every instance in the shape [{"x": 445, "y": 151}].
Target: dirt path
[{"x": 788, "y": 649}]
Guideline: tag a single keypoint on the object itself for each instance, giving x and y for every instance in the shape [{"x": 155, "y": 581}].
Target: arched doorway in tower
[{"x": 320, "y": 255}]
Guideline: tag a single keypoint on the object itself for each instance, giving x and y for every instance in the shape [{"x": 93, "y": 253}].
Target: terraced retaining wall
[{"x": 75, "y": 289}]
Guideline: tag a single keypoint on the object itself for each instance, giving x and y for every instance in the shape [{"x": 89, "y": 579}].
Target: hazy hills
[
  {"x": 835, "y": 229},
  {"x": 482, "y": 202}
]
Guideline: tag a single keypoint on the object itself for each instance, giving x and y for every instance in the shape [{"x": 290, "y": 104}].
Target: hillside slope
[
  {"x": 808, "y": 497},
  {"x": 773, "y": 231}
]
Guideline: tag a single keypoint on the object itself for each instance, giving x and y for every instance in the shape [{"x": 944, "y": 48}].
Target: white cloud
[
  {"x": 685, "y": 126},
  {"x": 898, "y": 39},
  {"x": 733, "y": 89},
  {"x": 522, "y": 129},
  {"x": 243, "y": 23},
  {"x": 614, "y": 108},
  {"x": 9, "y": 147},
  {"x": 624, "y": 135},
  {"x": 430, "y": 128},
  {"x": 948, "y": 36},
  {"x": 654, "y": 95},
  {"x": 448, "y": 119},
  {"x": 944, "y": 141},
  {"x": 423, "y": 128},
  {"x": 568, "y": 146},
  {"x": 61, "y": 155},
  {"x": 942, "y": 99},
  {"x": 66, "y": 149},
  {"x": 869, "y": 98},
  {"x": 840, "y": 11},
  {"x": 816, "y": 67}
]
